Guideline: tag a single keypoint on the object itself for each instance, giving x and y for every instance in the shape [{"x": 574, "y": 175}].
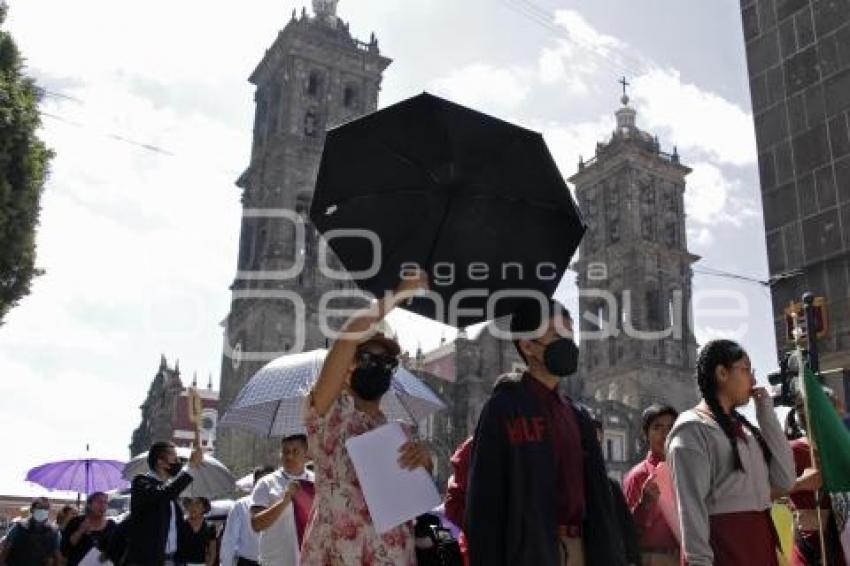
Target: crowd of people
[{"x": 529, "y": 488}]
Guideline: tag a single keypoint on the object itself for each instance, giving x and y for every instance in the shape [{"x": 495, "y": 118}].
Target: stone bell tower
[
  {"x": 313, "y": 77},
  {"x": 634, "y": 271}
]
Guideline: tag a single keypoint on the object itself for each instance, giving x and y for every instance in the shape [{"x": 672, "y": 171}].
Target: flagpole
[{"x": 810, "y": 430}]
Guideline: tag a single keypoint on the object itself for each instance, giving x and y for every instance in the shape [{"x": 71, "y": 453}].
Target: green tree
[{"x": 24, "y": 161}]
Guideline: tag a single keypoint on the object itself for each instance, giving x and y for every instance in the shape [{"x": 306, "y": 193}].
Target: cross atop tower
[{"x": 625, "y": 83}]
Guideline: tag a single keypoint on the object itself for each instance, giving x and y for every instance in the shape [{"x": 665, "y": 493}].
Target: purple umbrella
[{"x": 83, "y": 476}]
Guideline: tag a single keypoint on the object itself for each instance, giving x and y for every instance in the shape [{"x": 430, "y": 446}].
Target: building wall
[
  {"x": 798, "y": 59},
  {"x": 165, "y": 413},
  {"x": 157, "y": 418}
]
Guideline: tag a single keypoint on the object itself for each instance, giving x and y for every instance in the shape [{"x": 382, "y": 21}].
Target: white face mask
[{"x": 40, "y": 515}]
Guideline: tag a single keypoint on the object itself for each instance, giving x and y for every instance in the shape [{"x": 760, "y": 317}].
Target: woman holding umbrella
[
  {"x": 91, "y": 530},
  {"x": 345, "y": 402}
]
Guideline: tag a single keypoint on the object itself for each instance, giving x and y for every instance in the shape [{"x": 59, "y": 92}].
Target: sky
[{"x": 150, "y": 113}]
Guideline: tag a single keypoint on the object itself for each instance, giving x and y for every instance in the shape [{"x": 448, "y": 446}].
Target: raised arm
[
  {"x": 147, "y": 492},
  {"x": 341, "y": 355}
]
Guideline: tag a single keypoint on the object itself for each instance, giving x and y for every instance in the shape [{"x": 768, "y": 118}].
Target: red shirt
[
  {"x": 802, "y": 460},
  {"x": 456, "y": 489},
  {"x": 562, "y": 428},
  {"x": 653, "y": 530}
]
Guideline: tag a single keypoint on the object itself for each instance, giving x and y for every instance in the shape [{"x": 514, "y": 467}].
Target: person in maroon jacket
[
  {"x": 538, "y": 492},
  {"x": 658, "y": 544}
]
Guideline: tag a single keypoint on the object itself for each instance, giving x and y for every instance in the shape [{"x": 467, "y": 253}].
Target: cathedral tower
[
  {"x": 313, "y": 77},
  {"x": 634, "y": 271}
]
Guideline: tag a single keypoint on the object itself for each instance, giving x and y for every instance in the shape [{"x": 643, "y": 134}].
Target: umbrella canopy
[
  {"x": 477, "y": 202},
  {"x": 212, "y": 478},
  {"x": 86, "y": 475},
  {"x": 272, "y": 402}
]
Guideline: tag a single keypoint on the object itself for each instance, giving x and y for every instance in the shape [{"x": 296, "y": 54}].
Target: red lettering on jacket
[{"x": 522, "y": 430}]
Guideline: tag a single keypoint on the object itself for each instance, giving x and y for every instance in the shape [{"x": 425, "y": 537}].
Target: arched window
[
  {"x": 314, "y": 83},
  {"x": 653, "y": 310},
  {"x": 351, "y": 96}
]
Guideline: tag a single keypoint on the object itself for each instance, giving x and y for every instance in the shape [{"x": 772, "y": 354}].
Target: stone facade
[
  {"x": 314, "y": 76},
  {"x": 634, "y": 272},
  {"x": 798, "y": 58},
  {"x": 623, "y": 444},
  {"x": 165, "y": 412}
]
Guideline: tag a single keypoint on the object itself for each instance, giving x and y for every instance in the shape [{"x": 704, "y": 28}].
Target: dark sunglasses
[{"x": 384, "y": 361}]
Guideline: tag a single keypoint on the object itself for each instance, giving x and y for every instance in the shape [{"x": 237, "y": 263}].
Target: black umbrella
[{"x": 476, "y": 201}]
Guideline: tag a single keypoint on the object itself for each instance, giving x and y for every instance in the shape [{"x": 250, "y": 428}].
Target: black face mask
[
  {"x": 174, "y": 469},
  {"x": 371, "y": 382},
  {"x": 561, "y": 357}
]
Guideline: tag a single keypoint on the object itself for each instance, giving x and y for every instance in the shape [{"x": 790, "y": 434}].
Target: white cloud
[
  {"x": 568, "y": 142},
  {"x": 564, "y": 66},
  {"x": 699, "y": 237},
  {"x": 707, "y": 194},
  {"x": 576, "y": 60},
  {"x": 711, "y": 199},
  {"x": 696, "y": 120},
  {"x": 485, "y": 87},
  {"x": 56, "y": 414},
  {"x": 581, "y": 33}
]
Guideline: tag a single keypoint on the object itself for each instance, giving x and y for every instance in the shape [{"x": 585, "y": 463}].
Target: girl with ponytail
[{"x": 724, "y": 468}]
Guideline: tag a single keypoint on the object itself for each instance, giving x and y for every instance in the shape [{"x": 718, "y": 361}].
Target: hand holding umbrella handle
[
  {"x": 339, "y": 363},
  {"x": 412, "y": 281},
  {"x": 411, "y": 284}
]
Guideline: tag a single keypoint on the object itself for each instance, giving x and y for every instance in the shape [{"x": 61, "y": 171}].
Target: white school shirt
[
  {"x": 239, "y": 538},
  {"x": 278, "y": 543}
]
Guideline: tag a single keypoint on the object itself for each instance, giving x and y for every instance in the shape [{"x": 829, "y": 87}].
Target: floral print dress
[{"x": 340, "y": 530}]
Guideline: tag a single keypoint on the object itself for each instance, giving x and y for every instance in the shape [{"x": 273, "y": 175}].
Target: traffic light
[{"x": 821, "y": 321}]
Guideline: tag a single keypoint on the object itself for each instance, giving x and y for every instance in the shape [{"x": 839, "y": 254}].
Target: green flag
[{"x": 827, "y": 431}]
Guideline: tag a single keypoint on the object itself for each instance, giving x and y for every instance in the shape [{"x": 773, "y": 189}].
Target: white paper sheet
[
  {"x": 393, "y": 495},
  {"x": 93, "y": 559}
]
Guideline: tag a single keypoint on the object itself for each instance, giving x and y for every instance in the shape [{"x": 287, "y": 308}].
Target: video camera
[{"x": 785, "y": 379}]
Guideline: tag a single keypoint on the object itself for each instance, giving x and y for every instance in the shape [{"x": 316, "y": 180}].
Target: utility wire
[{"x": 546, "y": 20}]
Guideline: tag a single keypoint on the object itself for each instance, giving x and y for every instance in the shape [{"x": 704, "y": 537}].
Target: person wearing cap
[
  {"x": 345, "y": 402},
  {"x": 659, "y": 546},
  {"x": 538, "y": 491}
]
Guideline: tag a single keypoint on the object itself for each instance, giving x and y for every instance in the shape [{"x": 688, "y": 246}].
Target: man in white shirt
[
  {"x": 272, "y": 513},
  {"x": 240, "y": 545}
]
